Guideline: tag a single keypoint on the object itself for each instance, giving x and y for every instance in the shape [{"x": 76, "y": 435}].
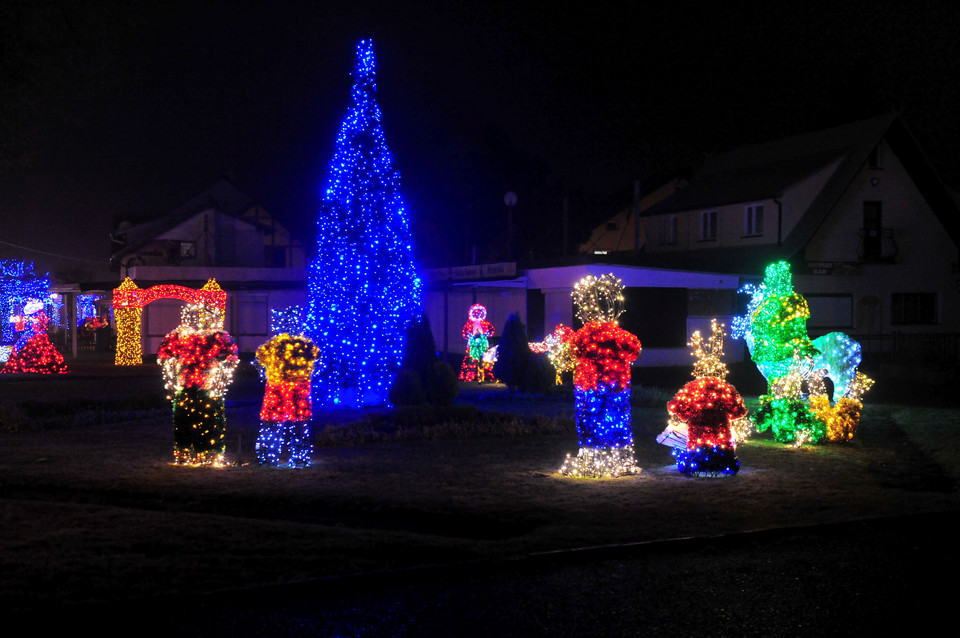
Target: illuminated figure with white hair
[{"x": 198, "y": 360}]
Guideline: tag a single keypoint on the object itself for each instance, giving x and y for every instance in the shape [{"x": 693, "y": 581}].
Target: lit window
[{"x": 753, "y": 220}]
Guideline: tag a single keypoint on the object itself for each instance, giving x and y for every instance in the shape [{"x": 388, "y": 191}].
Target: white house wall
[
  {"x": 926, "y": 262},
  {"x": 447, "y": 311},
  {"x": 556, "y": 285}
]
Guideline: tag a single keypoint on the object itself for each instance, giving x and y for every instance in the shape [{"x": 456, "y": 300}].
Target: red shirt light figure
[
  {"x": 477, "y": 331},
  {"x": 288, "y": 363},
  {"x": 198, "y": 360},
  {"x": 707, "y": 405},
  {"x": 33, "y": 353},
  {"x": 604, "y": 353},
  {"x": 700, "y": 430}
]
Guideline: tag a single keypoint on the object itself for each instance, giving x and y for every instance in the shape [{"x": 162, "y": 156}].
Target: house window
[
  {"x": 668, "y": 229},
  {"x": 913, "y": 308},
  {"x": 708, "y": 225},
  {"x": 875, "y": 158},
  {"x": 872, "y": 232},
  {"x": 753, "y": 220},
  {"x": 188, "y": 249},
  {"x": 611, "y": 225}
]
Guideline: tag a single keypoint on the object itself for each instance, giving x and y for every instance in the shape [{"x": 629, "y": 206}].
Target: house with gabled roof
[
  {"x": 220, "y": 233},
  {"x": 871, "y": 231}
]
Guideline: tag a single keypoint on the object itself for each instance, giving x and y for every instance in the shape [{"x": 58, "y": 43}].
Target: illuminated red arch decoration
[{"x": 128, "y": 303}]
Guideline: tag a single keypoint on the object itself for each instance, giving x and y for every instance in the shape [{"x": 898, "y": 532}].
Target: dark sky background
[{"x": 123, "y": 110}]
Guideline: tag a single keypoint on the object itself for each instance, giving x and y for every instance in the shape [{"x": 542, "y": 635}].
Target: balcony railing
[{"x": 877, "y": 244}]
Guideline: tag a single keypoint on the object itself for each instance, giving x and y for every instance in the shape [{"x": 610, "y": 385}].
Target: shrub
[
  {"x": 419, "y": 348},
  {"x": 441, "y": 384},
  {"x": 513, "y": 352},
  {"x": 539, "y": 376},
  {"x": 407, "y": 389}
]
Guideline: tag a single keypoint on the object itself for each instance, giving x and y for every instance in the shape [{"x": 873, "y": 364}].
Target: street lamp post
[{"x": 510, "y": 199}]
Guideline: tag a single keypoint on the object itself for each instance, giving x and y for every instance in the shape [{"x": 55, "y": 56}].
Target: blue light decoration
[
  {"x": 363, "y": 289},
  {"x": 286, "y": 320},
  {"x": 18, "y": 283},
  {"x": 87, "y": 308}
]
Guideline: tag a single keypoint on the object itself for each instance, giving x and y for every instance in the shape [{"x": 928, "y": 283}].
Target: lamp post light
[{"x": 510, "y": 199}]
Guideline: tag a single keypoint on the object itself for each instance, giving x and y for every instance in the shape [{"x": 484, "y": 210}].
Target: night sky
[{"x": 127, "y": 110}]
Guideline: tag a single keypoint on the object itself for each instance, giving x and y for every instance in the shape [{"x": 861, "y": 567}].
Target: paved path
[{"x": 856, "y": 578}]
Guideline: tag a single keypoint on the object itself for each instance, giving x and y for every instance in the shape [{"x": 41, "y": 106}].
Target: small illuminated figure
[
  {"x": 288, "y": 363},
  {"x": 33, "y": 353},
  {"x": 557, "y": 347},
  {"x": 198, "y": 359},
  {"x": 707, "y": 405},
  {"x": 604, "y": 353},
  {"x": 477, "y": 331}
]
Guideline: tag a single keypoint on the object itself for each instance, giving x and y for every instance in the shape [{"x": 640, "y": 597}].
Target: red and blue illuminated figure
[
  {"x": 706, "y": 405},
  {"x": 604, "y": 353},
  {"x": 33, "y": 353},
  {"x": 284, "y": 438},
  {"x": 477, "y": 331}
]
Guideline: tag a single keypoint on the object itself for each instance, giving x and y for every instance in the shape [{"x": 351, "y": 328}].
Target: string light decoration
[
  {"x": 708, "y": 355},
  {"x": 284, "y": 438},
  {"x": 286, "y": 320},
  {"x": 198, "y": 360},
  {"x": 363, "y": 290},
  {"x": 557, "y": 347},
  {"x": 87, "y": 309},
  {"x": 706, "y": 405},
  {"x": 842, "y": 418},
  {"x": 129, "y": 300},
  {"x": 603, "y": 352},
  {"x": 18, "y": 284},
  {"x": 33, "y": 353},
  {"x": 776, "y": 336},
  {"x": 701, "y": 429},
  {"x": 477, "y": 331}
]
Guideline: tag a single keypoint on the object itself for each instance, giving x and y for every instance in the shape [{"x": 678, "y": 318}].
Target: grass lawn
[{"x": 96, "y": 512}]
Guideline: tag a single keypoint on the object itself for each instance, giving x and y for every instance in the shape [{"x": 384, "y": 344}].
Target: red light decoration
[
  {"x": 36, "y": 355},
  {"x": 707, "y": 405},
  {"x": 288, "y": 364},
  {"x": 604, "y": 352},
  {"x": 128, "y": 303},
  {"x": 198, "y": 360}
]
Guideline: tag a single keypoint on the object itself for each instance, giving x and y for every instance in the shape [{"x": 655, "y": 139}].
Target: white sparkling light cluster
[
  {"x": 607, "y": 462},
  {"x": 709, "y": 354},
  {"x": 598, "y": 299}
]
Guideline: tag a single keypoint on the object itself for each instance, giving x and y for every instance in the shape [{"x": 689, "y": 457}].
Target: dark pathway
[{"x": 849, "y": 579}]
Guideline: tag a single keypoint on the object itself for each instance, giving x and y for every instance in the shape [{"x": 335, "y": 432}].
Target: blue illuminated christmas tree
[{"x": 363, "y": 289}]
